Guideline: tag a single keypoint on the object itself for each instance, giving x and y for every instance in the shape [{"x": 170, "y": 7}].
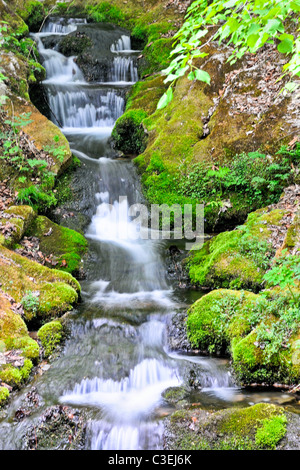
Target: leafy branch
[{"x": 247, "y": 27}]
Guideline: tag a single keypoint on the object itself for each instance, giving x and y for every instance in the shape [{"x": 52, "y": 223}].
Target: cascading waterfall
[{"x": 115, "y": 364}]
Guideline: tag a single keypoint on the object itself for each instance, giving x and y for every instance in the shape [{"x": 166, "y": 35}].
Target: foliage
[
  {"x": 246, "y": 27},
  {"x": 57, "y": 151},
  {"x": 104, "y": 11},
  {"x": 35, "y": 197},
  {"x": 31, "y": 301},
  {"x": 260, "y": 180},
  {"x": 285, "y": 271}
]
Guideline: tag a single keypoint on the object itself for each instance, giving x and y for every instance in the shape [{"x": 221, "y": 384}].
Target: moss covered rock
[
  {"x": 67, "y": 246},
  {"x": 128, "y": 133},
  {"x": 14, "y": 333},
  {"x": 257, "y": 427},
  {"x": 15, "y": 376},
  {"x": 20, "y": 217},
  {"x": 32, "y": 12},
  {"x": 239, "y": 258},
  {"x": 50, "y": 336},
  {"x": 4, "y": 394},
  {"x": 56, "y": 291},
  {"x": 261, "y": 333},
  {"x": 219, "y": 317}
]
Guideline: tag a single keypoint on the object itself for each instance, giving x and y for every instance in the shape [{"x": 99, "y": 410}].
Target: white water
[{"x": 61, "y": 25}]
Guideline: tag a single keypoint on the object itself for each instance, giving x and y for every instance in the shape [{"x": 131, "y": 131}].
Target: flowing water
[{"x": 116, "y": 363}]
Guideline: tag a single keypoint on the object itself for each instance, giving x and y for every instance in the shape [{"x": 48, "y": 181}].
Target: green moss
[
  {"x": 128, "y": 133},
  {"x": 50, "y": 336},
  {"x": 260, "y": 332},
  {"x": 33, "y": 13},
  {"x": 57, "y": 290},
  {"x": 14, "y": 376},
  {"x": 228, "y": 429},
  {"x": 73, "y": 45},
  {"x": 105, "y": 12},
  {"x": 66, "y": 245},
  {"x": 145, "y": 94},
  {"x": 219, "y": 317},
  {"x": 27, "y": 345},
  {"x": 245, "y": 422},
  {"x": 271, "y": 432},
  {"x": 56, "y": 299},
  {"x": 21, "y": 218},
  {"x": 237, "y": 259},
  {"x": 4, "y": 394},
  {"x": 156, "y": 56}
]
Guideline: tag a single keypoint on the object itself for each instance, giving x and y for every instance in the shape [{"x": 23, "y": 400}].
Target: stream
[{"x": 116, "y": 363}]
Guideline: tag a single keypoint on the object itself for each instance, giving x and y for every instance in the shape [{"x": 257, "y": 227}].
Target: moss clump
[
  {"x": 21, "y": 217},
  {"x": 14, "y": 333},
  {"x": 219, "y": 317},
  {"x": 57, "y": 290},
  {"x": 65, "y": 245},
  {"x": 14, "y": 376},
  {"x": 271, "y": 432},
  {"x": 4, "y": 394},
  {"x": 50, "y": 336},
  {"x": 56, "y": 298},
  {"x": 105, "y": 12},
  {"x": 129, "y": 134},
  {"x": 29, "y": 347},
  {"x": 174, "y": 394},
  {"x": 74, "y": 44}
]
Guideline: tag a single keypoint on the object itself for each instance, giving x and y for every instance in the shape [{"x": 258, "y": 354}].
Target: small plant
[
  {"x": 34, "y": 196},
  {"x": 58, "y": 152},
  {"x": 31, "y": 301},
  {"x": 284, "y": 273}
]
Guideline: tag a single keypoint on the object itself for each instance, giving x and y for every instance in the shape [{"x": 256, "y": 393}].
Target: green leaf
[
  {"x": 165, "y": 99},
  {"x": 273, "y": 26},
  {"x": 252, "y": 40},
  {"x": 286, "y": 46},
  {"x": 202, "y": 76}
]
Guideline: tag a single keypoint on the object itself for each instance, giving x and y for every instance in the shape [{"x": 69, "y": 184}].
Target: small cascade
[
  {"x": 122, "y": 45},
  {"x": 62, "y": 25},
  {"x": 104, "y": 436},
  {"x": 80, "y": 108},
  {"x": 125, "y": 404},
  {"x": 73, "y": 103},
  {"x": 124, "y": 70},
  {"x": 120, "y": 235}
]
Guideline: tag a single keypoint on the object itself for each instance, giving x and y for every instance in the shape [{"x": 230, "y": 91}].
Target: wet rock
[
  {"x": 177, "y": 334},
  {"x": 59, "y": 428}
]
